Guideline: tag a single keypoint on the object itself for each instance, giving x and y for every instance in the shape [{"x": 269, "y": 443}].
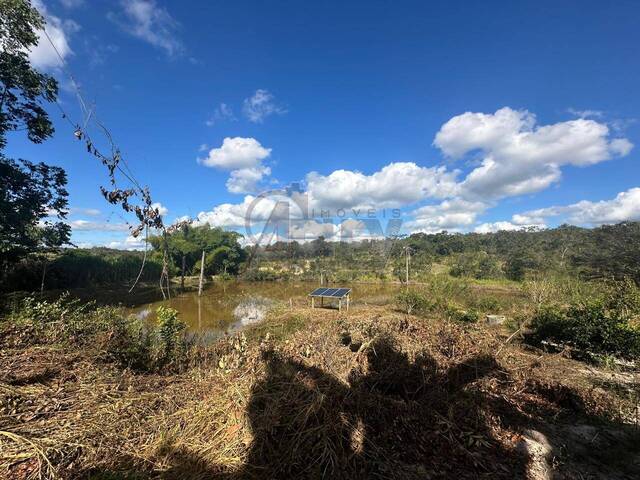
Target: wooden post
[
  {"x": 184, "y": 264},
  {"x": 407, "y": 257},
  {"x": 44, "y": 273},
  {"x": 313, "y": 303},
  {"x": 339, "y": 304},
  {"x": 201, "y": 274}
]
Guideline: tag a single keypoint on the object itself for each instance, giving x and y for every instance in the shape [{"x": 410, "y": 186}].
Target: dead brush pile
[{"x": 375, "y": 394}]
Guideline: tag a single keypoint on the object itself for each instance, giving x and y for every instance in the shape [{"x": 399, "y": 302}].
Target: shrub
[
  {"x": 128, "y": 342},
  {"x": 412, "y": 301},
  {"x": 111, "y": 335},
  {"x": 589, "y": 326},
  {"x": 488, "y": 304},
  {"x": 458, "y": 314},
  {"x": 624, "y": 297},
  {"x": 170, "y": 331},
  {"x": 468, "y": 316}
]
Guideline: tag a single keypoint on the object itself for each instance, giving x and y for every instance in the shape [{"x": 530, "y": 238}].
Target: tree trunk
[{"x": 44, "y": 273}]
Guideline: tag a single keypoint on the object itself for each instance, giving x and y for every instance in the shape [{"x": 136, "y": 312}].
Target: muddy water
[{"x": 226, "y": 306}]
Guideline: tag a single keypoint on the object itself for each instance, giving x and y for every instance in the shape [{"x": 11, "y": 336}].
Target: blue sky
[{"x": 465, "y": 116}]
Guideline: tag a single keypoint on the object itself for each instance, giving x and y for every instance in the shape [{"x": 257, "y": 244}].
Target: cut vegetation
[{"x": 375, "y": 393}]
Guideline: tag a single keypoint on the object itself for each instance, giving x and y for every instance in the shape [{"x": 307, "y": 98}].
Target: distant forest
[{"x": 610, "y": 251}]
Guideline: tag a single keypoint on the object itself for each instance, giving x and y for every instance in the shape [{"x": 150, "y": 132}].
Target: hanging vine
[{"x": 134, "y": 200}]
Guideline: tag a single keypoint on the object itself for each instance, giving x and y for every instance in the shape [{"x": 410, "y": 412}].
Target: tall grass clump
[{"x": 421, "y": 302}]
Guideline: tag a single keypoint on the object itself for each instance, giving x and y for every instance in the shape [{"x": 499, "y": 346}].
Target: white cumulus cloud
[
  {"x": 236, "y": 153},
  {"x": 451, "y": 215},
  {"x": 624, "y": 207},
  {"x": 252, "y": 209},
  {"x": 243, "y": 156},
  {"x": 395, "y": 185},
  {"x": 515, "y": 156},
  {"x": 246, "y": 180},
  {"x": 493, "y": 227},
  {"x": 520, "y": 157},
  {"x": 44, "y": 56},
  {"x": 129, "y": 243}
]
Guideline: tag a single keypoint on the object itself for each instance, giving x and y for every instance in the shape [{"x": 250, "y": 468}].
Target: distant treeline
[
  {"x": 610, "y": 251},
  {"x": 77, "y": 268}
]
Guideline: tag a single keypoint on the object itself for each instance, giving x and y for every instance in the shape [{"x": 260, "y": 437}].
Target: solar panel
[
  {"x": 318, "y": 291},
  {"x": 340, "y": 292},
  {"x": 330, "y": 292}
]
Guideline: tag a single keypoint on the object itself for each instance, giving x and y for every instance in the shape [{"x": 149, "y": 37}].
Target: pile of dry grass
[{"x": 371, "y": 394}]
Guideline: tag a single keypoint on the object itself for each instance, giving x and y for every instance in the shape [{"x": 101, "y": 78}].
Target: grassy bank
[{"x": 375, "y": 393}]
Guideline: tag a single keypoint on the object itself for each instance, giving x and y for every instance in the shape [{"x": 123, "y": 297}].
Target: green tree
[
  {"x": 30, "y": 192},
  {"x": 223, "y": 253},
  {"x": 320, "y": 247},
  {"x": 220, "y": 260},
  {"x": 518, "y": 263},
  {"x": 23, "y": 90}
]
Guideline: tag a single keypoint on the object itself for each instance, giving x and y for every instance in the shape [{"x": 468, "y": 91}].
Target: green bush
[
  {"x": 488, "y": 304},
  {"x": 106, "y": 331},
  {"x": 128, "y": 342},
  {"x": 589, "y": 326},
  {"x": 518, "y": 264},
  {"x": 412, "y": 301},
  {"x": 170, "y": 330},
  {"x": 458, "y": 314},
  {"x": 467, "y": 316}
]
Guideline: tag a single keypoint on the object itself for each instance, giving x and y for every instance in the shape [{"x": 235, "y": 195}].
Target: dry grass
[{"x": 312, "y": 394}]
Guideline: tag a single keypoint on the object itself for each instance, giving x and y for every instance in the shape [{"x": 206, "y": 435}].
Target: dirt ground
[{"x": 371, "y": 393}]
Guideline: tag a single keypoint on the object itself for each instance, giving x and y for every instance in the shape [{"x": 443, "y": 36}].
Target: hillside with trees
[{"x": 609, "y": 251}]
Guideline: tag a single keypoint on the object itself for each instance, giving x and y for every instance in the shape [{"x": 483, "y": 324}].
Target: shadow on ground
[{"x": 395, "y": 419}]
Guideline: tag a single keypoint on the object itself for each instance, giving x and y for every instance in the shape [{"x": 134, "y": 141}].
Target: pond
[{"x": 229, "y": 305}]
